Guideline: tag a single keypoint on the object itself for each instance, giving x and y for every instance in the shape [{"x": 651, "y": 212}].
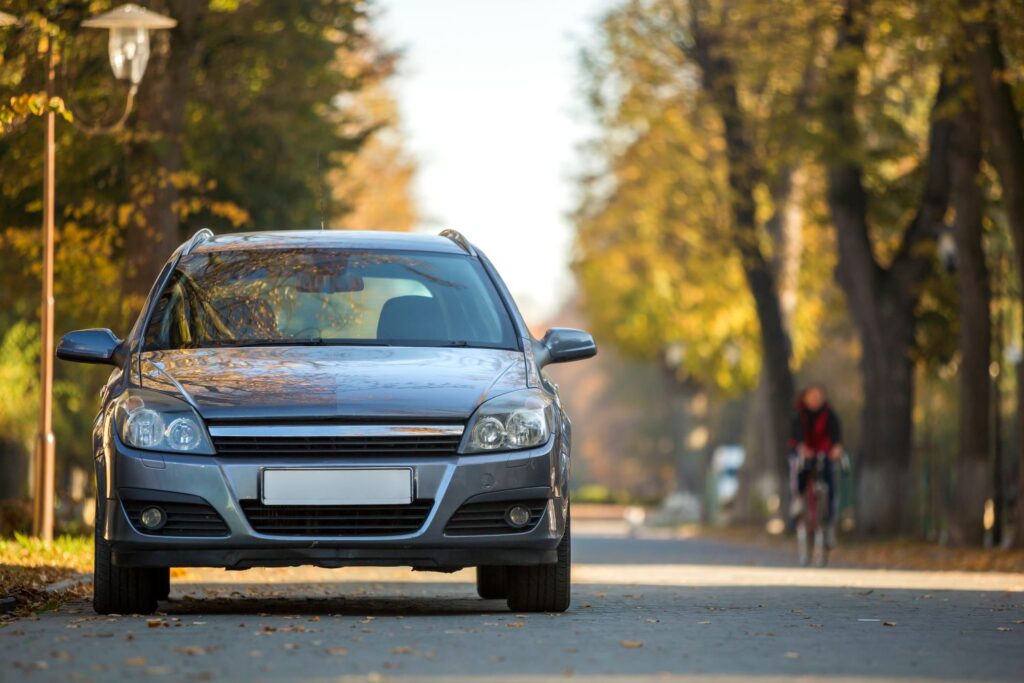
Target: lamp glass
[{"x": 129, "y": 53}]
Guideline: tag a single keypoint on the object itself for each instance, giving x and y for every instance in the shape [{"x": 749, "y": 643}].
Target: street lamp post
[{"x": 129, "y": 27}]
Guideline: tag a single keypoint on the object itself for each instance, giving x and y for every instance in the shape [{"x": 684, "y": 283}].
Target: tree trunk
[
  {"x": 1004, "y": 140},
  {"x": 973, "y": 478},
  {"x": 718, "y": 79},
  {"x": 161, "y": 118},
  {"x": 882, "y": 483}
]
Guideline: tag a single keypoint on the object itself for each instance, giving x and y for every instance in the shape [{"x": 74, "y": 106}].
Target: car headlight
[
  {"x": 157, "y": 422},
  {"x": 520, "y": 419}
]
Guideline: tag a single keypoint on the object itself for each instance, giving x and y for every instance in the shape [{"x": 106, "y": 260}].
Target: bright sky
[{"x": 490, "y": 99}]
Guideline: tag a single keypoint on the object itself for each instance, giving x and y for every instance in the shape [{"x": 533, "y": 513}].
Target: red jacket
[{"x": 818, "y": 430}]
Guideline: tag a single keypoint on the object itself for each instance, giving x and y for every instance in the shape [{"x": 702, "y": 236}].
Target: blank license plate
[{"x": 337, "y": 487}]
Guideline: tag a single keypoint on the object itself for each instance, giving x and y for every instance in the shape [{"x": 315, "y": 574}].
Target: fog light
[
  {"x": 517, "y": 516},
  {"x": 153, "y": 518}
]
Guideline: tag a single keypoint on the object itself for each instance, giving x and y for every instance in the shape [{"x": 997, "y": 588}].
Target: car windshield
[{"x": 270, "y": 297}]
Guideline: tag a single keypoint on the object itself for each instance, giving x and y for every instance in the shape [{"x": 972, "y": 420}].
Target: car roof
[{"x": 329, "y": 239}]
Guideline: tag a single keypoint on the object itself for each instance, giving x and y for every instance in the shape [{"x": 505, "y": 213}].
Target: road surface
[{"x": 653, "y": 607}]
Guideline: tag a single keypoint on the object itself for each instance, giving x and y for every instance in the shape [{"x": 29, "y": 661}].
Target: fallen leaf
[
  {"x": 158, "y": 670},
  {"x": 400, "y": 650},
  {"x": 135, "y": 661},
  {"x": 337, "y": 650},
  {"x": 193, "y": 650},
  {"x": 291, "y": 646},
  {"x": 631, "y": 643},
  {"x": 154, "y": 623},
  {"x": 888, "y": 623},
  {"x": 516, "y": 624}
]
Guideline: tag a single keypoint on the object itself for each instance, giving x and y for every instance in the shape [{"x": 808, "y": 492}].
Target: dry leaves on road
[{"x": 631, "y": 643}]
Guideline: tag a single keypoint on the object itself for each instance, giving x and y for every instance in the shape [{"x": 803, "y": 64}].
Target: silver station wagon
[{"x": 334, "y": 399}]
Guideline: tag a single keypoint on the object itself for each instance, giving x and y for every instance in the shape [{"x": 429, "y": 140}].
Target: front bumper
[{"x": 223, "y": 482}]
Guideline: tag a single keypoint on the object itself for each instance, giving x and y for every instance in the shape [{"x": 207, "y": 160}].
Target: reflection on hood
[{"x": 323, "y": 382}]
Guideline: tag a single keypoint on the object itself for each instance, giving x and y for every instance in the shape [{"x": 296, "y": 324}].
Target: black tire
[
  {"x": 123, "y": 590},
  {"x": 542, "y": 587},
  {"x": 492, "y": 583},
  {"x": 163, "y": 576}
]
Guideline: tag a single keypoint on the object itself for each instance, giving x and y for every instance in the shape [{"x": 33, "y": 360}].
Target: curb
[{"x": 68, "y": 583}]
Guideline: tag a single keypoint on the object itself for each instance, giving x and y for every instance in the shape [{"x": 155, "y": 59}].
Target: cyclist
[{"x": 815, "y": 431}]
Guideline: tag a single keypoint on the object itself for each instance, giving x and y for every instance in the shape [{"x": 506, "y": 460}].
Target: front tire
[
  {"x": 543, "y": 587},
  {"x": 123, "y": 590},
  {"x": 492, "y": 583}
]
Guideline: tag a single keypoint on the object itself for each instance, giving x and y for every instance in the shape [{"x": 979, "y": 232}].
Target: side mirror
[
  {"x": 562, "y": 344},
  {"x": 91, "y": 346}
]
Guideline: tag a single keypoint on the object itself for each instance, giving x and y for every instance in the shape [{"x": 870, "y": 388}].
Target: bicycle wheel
[{"x": 820, "y": 523}]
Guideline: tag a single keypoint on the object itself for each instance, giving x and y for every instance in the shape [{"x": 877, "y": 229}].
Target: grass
[{"x": 27, "y": 566}]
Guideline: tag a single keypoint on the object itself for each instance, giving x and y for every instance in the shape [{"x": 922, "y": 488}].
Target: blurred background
[{"x": 737, "y": 198}]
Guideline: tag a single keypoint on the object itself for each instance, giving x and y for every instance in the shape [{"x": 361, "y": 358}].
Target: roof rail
[
  {"x": 459, "y": 239},
  {"x": 201, "y": 236}
]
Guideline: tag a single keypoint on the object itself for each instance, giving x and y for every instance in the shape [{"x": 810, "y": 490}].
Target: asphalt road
[{"x": 644, "y": 608}]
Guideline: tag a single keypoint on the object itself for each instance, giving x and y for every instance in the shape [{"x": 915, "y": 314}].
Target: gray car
[{"x": 334, "y": 399}]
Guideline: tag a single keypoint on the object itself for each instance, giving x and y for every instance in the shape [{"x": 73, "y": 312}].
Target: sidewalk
[{"x": 896, "y": 553}]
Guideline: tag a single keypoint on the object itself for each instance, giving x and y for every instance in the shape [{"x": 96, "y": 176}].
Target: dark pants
[{"x": 806, "y": 471}]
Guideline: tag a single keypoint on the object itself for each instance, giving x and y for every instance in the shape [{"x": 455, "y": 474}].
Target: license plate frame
[{"x": 336, "y": 486}]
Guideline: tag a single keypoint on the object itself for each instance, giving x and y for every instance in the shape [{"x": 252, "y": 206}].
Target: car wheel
[
  {"x": 492, "y": 583},
  {"x": 542, "y": 587},
  {"x": 163, "y": 577},
  {"x": 123, "y": 590}
]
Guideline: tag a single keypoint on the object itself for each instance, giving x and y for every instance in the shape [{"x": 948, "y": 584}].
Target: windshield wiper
[{"x": 305, "y": 341}]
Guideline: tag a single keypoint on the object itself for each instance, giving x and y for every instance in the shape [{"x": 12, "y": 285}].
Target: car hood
[{"x": 335, "y": 382}]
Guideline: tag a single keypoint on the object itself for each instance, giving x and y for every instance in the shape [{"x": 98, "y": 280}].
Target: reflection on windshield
[{"x": 267, "y": 297}]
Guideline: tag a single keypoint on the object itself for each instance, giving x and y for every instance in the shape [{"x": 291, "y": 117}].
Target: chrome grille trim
[{"x": 360, "y": 430}]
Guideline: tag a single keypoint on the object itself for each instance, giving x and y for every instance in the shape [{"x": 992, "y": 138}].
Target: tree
[
  {"x": 377, "y": 182},
  {"x": 246, "y": 108},
  {"x": 882, "y": 297},
  {"x": 972, "y": 482},
  {"x": 1004, "y": 148},
  {"x": 690, "y": 220}
]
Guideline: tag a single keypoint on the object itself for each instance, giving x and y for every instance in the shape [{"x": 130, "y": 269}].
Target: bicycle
[{"x": 813, "y": 522}]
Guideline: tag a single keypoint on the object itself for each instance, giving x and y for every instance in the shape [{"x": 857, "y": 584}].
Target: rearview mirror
[
  {"x": 91, "y": 346},
  {"x": 563, "y": 344}
]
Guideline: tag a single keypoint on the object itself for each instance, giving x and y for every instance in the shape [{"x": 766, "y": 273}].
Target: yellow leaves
[{"x": 20, "y": 107}]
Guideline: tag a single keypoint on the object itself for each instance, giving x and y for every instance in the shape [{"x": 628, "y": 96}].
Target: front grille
[
  {"x": 337, "y": 520},
  {"x": 183, "y": 519},
  {"x": 330, "y": 446},
  {"x": 478, "y": 519}
]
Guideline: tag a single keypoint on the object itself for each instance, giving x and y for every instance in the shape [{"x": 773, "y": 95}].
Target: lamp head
[{"x": 129, "y": 27}]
